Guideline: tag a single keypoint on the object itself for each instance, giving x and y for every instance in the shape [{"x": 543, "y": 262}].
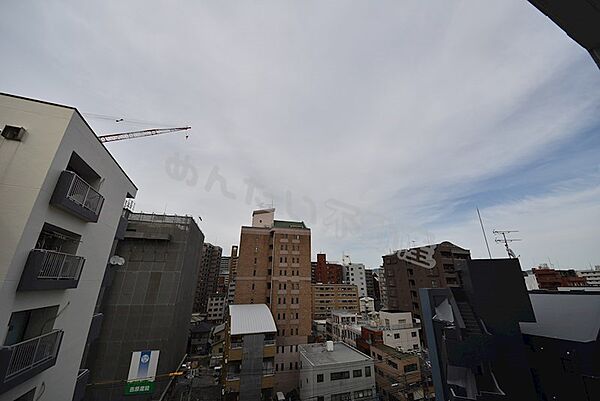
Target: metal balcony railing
[
  {"x": 59, "y": 265},
  {"x": 28, "y": 354},
  {"x": 269, "y": 342},
  {"x": 83, "y": 194}
]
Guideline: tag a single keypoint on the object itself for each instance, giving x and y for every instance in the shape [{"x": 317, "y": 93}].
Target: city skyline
[{"x": 406, "y": 115}]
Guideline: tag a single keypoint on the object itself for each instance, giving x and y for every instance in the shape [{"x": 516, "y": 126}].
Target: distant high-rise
[
  {"x": 327, "y": 272},
  {"x": 233, "y": 263},
  {"x": 223, "y": 278},
  {"x": 431, "y": 266},
  {"x": 273, "y": 253},
  {"x": 354, "y": 273},
  {"x": 149, "y": 304},
  {"x": 207, "y": 276}
]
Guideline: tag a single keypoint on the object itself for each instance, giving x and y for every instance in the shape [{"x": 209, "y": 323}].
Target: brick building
[
  {"x": 330, "y": 297},
  {"x": 274, "y": 268},
  {"x": 326, "y": 272},
  {"x": 551, "y": 279}
]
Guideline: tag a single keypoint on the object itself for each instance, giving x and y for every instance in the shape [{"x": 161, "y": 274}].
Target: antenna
[
  {"x": 505, "y": 240},
  {"x": 484, "y": 236}
]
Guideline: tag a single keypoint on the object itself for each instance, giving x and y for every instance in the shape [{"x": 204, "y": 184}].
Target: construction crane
[{"x": 140, "y": 134}]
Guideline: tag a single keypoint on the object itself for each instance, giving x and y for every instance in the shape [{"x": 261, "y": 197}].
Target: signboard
[{"x": 142, "y": 372}]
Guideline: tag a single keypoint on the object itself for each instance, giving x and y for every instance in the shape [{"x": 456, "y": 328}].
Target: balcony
[
  {"x": 269, "y": 342},
  {"x": 22, "y": 361},
  {"x": 50, "y": 270},
  {"x": 77, "y": 197}
]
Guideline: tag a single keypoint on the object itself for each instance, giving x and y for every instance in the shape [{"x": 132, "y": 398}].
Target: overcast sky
[{"x": 381, "y": 124}]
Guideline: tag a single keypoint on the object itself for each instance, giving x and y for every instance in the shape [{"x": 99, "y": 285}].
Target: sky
[{"x": 380, "y": 124}]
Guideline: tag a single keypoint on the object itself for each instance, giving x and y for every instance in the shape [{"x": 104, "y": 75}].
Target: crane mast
[{"x": 139, "y": 134}]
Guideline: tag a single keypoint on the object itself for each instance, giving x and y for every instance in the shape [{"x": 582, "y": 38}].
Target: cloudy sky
[{"x": 381, "y": 124}]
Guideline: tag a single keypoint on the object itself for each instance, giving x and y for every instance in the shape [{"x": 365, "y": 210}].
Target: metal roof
[
  {"x": 567, "y": 316},
  {"x": 251, "y": 319}
]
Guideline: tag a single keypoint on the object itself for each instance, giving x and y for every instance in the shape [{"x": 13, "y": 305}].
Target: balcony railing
[
  {"x": 21, "y": 361},
  {"x": 46, "y": 269},
  {"x": 235, "y": 345},
  {"x": 74, "y": 194},
  {"x": 269, "y": 342}
]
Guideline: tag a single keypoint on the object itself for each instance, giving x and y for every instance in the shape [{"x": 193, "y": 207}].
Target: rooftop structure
[{"x": 250, "y": 319}]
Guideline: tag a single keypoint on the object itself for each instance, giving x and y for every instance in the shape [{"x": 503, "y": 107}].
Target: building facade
[
  {"x": 223, "y": 278},
  {"x": 592, "y": 277},
  {"x": 334, "y": 371},
  {"x": 217, "y": 306},
  {"x": 274, "y": 269},
  {"x": 62, "y": 196},
  {"x": 248, "y": 374},
  {"x": 327, "y": 272},
  {"x": 149, "y": 304},
  {"x": 208, "y": 274},
  {"x": 354, "y": 273},
  {"x": 431, "y": 266},
  {"x": 550, "y": 279},
  {"x": 233, "y": 263},
  {"x": 330, "y": 297}
]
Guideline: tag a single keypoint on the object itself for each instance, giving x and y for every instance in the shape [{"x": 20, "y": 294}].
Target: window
[
  {"x": 366, "y": 393},
  {"x": 254, "y": 273},
  {"x": 410, "y": 367},
  {"x": 413, "y": 333},
  {"x": 320, "y": 398},
  {"x": 13, "y": 133},
  {"x": 368, "y": 371},
  {"x": 341, "y": 397},
  {"x": 320, "y": 378},
  {"x": 357, "y": 373},
  {"x": 252, "y": 285},
  {"x": 339, "y": 376},
  {"x": 396, "y": 335}
]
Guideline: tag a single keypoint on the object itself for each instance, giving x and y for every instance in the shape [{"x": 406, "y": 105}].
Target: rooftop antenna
[
  {"x": 506, "y": 240},
  {"x": 487, "y": 245}
]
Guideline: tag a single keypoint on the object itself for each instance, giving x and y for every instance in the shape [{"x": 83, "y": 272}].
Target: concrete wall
[{"x": 29, "y": 171}]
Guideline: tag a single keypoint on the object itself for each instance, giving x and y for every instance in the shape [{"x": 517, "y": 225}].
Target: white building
[
  {"x": 354, "y": 273},
  {"x": 398, "y": 329},
  {"x": 367, "y": 305},
  {"x": 530, "y": 280},
  {"x": 334, "y": 371},
  {"x": 216, "y": 305},
  {"x": 62, "y": 197},
  {"x": 592, "y": 276}
]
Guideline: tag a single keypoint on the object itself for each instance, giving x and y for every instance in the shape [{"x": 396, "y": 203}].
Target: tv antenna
[{"x": 503, "y": 234}]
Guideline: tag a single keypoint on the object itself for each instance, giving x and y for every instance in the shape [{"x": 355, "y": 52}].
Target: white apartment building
[
  {"x": 334, "y": 371},
  {"x": 592, "y": 276},
  {"x": 62, "y": 197},
  {"x": 354, "y": 273},
  {"x": 398, "y": 329}
]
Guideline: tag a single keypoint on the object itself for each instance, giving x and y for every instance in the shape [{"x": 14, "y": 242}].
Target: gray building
[
  {"x": 149, "y": 304},
  {"x": 61, "y": 194},
  {"x": 334, "y": 371},
  {"x": 208, "y": 274}
]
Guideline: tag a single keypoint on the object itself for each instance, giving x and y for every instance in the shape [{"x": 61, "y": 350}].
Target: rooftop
[
  {"x": 288, "y": 224},
  {"x": 392, "y": 351},
  {"x": 251, "y": 319},
  {"x": 318, "y": 355},
  {"x": 573, "y": 316}
]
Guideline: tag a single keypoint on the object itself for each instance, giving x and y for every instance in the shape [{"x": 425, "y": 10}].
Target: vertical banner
[{"x": 142, "y": 371}]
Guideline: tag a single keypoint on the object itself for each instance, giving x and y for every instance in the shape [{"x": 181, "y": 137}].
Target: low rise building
[
  {"x": 592, "y": 277},
  {"x": 250, "y": 350},
  {"x": 334, "y": 371},
  {"x": 329, "y": 297},
  {"x": 398, "y": 375},
  {"x": 550, "y": 279}
]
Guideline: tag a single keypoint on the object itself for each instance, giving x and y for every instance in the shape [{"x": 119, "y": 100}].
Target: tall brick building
[
  {"x": 207, "y": 276},
  {"x": 274, "y": 269},
  {"x": 430, "y": 266}
]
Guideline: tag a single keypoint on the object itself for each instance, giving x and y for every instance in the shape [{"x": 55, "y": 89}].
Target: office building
[
  {"x": 233, "y": 263},
  {"x": 330, "y": 297},
  {"x": 248, "y": 374},
  {"x": 273, "y": 254},
  {"x": 207, "y": 276},
  {"x": 62, "y": 195},
  {"x": 354, "y": 273},
  {"x": 325, "y": 272},
  {"x": 550, "y": 279},
  {"x": 366, "y": 306},
  {"x": 149, "y": 304},
  {"x": 407, "y": 270},
  {"x": 334, "y": 371},
  {"x": 592, "y": 277}
]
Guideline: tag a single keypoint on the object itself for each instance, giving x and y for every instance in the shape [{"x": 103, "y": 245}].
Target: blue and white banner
[{"x": 143, "y": 365}]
